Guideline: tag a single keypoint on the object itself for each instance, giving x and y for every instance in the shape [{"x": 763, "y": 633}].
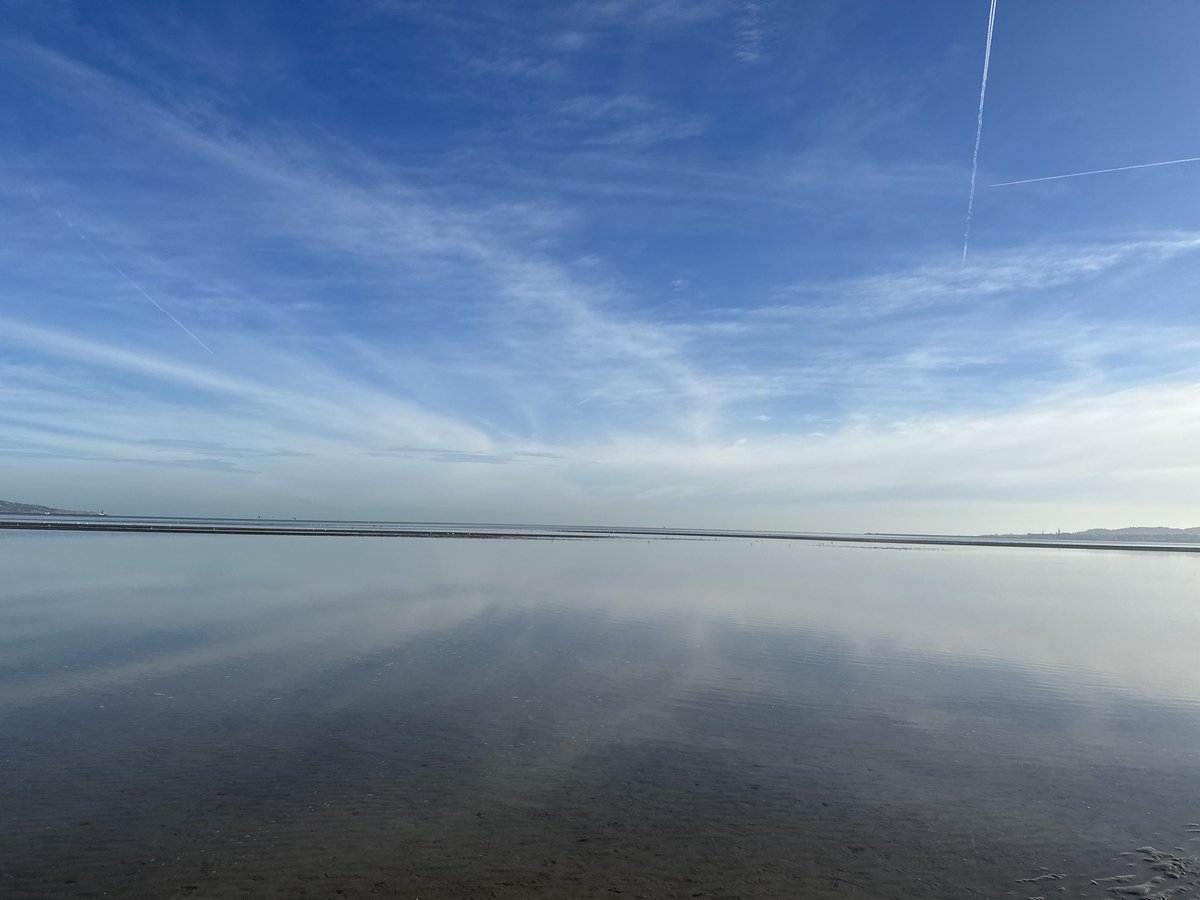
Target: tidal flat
[{"x": 224, "y": 716}]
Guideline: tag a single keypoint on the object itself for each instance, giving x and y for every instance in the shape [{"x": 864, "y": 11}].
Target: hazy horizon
[{"x": 1124, "y": 536}]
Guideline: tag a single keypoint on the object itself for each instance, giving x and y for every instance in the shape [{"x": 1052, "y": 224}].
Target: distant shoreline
[{"x": 119, "y": 524}]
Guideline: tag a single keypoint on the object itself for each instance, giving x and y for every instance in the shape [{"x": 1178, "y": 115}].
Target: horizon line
[{"x": 333, "y": 528}]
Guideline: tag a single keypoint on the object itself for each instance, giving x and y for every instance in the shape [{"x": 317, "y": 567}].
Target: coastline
[{"x": 276, "y": 527}]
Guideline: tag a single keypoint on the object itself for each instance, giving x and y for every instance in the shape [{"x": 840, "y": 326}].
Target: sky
[{"x": 628, "y": 262}]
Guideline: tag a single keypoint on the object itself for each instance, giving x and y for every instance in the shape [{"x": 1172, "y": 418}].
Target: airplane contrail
[
  {"x": 112, "y": 265},
  {"x": 1169, "y": 162},
  {"x": 987, "y": 59},
  {"x": 141, "y": 290}
]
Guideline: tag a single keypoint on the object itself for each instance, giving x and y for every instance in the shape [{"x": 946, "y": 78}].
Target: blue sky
[{"x": 662, "y": 262}]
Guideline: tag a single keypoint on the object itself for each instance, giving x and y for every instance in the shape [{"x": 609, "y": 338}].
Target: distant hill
[
  {"x": 12, "y": 508},
  {"x": 1152, "y": 533}
]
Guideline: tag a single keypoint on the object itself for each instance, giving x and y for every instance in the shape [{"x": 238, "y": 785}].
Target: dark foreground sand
[
  {"x": 641, "y": 833},
  {"x": 357, "y": 792}
]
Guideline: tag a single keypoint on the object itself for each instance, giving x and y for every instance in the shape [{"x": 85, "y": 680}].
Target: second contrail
[
  {"x": 987, "y": 59},
  {"x": 141, "y": 290},
  {"x": 1168, "y": 162},
  {"x": 112, "y": 265}
]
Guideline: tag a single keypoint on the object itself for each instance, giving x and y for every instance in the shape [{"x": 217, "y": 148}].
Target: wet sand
[
  {"x": 284, "y": 720},
  {"x": 401, "y": 801}
]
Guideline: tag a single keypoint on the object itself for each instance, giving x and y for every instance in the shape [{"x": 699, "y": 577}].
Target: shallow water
[{"x": 324, "y": 717}]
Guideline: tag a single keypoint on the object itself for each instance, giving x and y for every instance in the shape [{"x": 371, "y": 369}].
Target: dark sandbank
[{"x": 119, "y": 524}]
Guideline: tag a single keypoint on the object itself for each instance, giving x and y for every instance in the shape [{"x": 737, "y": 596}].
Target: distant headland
[
  {"x": 13, "y": 508},
  {"x": 1159, "y": 534}
]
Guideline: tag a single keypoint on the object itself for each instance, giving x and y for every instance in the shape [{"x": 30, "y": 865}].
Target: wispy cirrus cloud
[
  {"x": 611, "y": 295},
  {"x": 398, "y": 228},
  {"x": 999, "y": 273},
  {"x": 625, "y": 119},
  {"x": 652, "y": 12},
  {"x": 748, "y": 43}
]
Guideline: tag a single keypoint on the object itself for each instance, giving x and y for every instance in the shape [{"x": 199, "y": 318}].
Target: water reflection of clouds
[
  {"x": 431, "y": 679},
  {"x": 1075, "y": 620}
]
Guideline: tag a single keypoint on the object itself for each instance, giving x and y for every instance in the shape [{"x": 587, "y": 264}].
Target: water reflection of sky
[
  {"x": 917, "y": 682},
  {"x": 1125, "y": 621}
]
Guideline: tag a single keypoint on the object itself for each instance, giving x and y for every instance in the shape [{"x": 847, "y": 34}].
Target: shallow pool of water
[{"x": 323, "y": 717}]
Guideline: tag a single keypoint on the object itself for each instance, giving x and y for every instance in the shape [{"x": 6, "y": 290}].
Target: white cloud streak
[
  {"x": 1012, "y": 271},
  {"x": 1153, "y": 165},
  {"x": 987, "y": 59}
]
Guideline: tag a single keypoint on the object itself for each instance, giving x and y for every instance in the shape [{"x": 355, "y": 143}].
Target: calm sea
[{"x": 216, "y": 716}]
